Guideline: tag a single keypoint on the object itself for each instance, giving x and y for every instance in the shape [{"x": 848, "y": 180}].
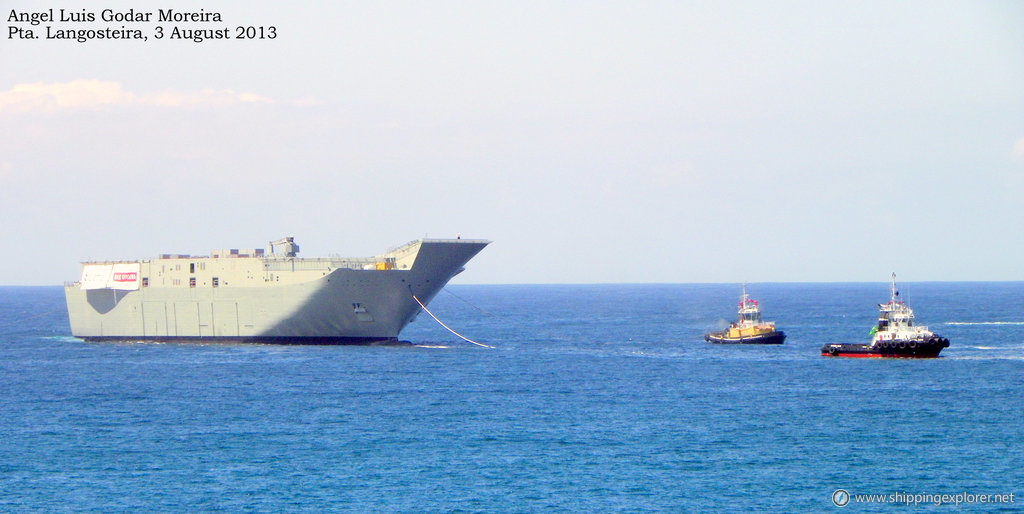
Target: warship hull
[{"x": 268, "y": 299}]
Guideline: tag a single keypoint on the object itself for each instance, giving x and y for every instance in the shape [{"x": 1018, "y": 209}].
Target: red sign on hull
[{"x": 125, "y": 277}]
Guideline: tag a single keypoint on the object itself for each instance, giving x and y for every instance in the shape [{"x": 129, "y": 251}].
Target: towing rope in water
[{"x": 425, "y": 309}]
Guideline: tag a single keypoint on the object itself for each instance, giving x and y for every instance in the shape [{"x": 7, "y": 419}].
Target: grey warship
[{"x": 263, "y": 296}]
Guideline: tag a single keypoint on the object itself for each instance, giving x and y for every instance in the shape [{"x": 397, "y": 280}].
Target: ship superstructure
[{"x": 262, "y": 295}]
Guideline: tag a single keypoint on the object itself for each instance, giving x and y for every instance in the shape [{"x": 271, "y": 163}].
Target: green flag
[{"x": 874, "y": 328}]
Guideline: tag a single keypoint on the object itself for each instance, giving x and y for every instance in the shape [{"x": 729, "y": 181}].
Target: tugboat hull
[
  {"x": 926, "y": 349},
  {"x": 721, "y": 338}
]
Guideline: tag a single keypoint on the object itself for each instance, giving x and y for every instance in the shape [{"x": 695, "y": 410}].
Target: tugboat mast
[{"x": 892, "y": 289}]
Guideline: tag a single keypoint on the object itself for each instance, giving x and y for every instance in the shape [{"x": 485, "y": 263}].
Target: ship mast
[{"x": 892, "y": 289}]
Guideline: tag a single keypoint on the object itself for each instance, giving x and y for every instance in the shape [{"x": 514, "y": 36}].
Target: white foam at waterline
[
  {"x": 61, "y": 338},
  {"x": 984, "y": 323}
]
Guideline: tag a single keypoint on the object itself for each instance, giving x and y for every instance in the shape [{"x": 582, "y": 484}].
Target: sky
[{"x": 591, "y": 141}]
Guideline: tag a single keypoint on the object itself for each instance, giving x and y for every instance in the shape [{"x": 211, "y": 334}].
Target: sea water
[{"x": 594, "y": 398}]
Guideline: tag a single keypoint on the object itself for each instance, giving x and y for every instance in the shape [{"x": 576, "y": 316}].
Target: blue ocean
[{"x": 594, "y": 398}]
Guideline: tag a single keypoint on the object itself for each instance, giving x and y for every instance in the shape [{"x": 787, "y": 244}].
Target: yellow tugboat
[{"x": 750, "y": 329}]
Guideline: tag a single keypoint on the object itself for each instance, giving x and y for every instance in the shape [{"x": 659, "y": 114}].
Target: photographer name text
[{"x": 83, "y": 26}]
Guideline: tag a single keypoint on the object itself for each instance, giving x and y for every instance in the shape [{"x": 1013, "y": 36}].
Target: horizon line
[{"x": 670, "y": 283}]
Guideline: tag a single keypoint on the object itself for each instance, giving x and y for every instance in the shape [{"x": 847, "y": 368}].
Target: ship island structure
[{"x": 263, "y": 296}]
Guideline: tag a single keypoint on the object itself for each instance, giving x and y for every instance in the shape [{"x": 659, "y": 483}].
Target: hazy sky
[{"x": 592, "y": 141}]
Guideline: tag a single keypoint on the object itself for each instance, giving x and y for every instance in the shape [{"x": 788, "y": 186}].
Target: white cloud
[
  {"x": 210, "y": 97},
  {"x": 97, "y": 94}
]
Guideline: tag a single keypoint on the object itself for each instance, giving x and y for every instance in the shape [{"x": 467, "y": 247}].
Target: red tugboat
[
  {"x": 894, "y": 336},
  {"x": 750, "y": 329}
]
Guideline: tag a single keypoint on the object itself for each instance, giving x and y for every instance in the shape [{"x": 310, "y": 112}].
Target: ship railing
[
  {"x": 325, "y": 263},
  {"x": 411, "y": 244},
  {"x": 402, "y": 248},
  {"x": 456, "y": 240}
]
